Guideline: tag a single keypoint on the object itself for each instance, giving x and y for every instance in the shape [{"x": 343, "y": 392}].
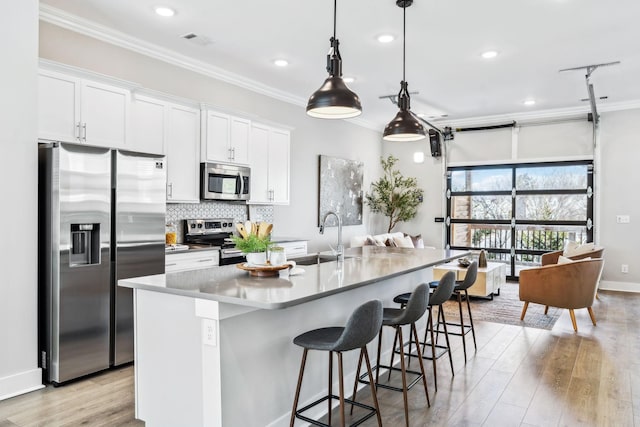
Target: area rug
[{"x": 505, "y": 308}]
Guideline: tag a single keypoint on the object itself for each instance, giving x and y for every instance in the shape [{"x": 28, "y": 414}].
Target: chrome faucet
[{"x": 340, "y": 248}]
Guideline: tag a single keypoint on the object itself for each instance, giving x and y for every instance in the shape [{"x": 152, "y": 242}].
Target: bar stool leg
[
  {"x": 424, "y": 375},
  {"x": 378, "y": 356},
  {"x": 404, "y": 377},
  {"x": 462, "y": 334},
  {"x": 446, "y": 337},
  {"x": 295, "y": 400},
  {"x": 371, "y": 384},
  {"x": 355, "y": 383},
  {"x": 473, "y": 330},
  {"x": 330, "y": 386},
  {"x": 433, "y": 348},
  {"x": 393, "y": 352},
  {"x": 343, "y": 421}
]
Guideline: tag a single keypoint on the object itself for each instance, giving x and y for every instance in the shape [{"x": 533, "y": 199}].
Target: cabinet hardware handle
[
  {"x": 170, "y": 185},
  {"x": 84, "y": 127},
  {"x": 170, "y": 265},
  {"x": 205, "y": 260},
  {"x": 79, "y": 133}
]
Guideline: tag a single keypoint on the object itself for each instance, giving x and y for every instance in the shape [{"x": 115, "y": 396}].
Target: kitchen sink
[{"x": 314, "y": 259}]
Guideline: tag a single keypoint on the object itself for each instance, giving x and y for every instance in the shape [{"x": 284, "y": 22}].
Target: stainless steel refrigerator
[{"x": 102, "y": 218}]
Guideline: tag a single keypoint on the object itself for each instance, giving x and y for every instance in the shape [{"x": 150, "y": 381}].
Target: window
[{"x": 518, "y": 212}]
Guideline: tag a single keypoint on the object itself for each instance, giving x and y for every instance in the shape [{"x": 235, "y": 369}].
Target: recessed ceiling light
[
  {"x": 385, "y": 38},
  {"x": 418, "y": 157},
  {"x": 530, "y": 102},
  {"x": 165, "y": 11},
  {"x": 281, "y": 62},
  {"x": 489, "y": 54},
  {"x": 349, "y": 79}
]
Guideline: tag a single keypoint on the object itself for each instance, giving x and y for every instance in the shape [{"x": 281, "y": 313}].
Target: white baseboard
[
  {"x": 20, "y": 383},
  {"x": 610, "y": 285}
]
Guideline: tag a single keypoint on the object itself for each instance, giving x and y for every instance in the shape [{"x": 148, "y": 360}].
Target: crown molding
[
  {"x": 97, "y": 31},
  {"x": 88, "y": 28},
  {"x": 46, "y": 64}
]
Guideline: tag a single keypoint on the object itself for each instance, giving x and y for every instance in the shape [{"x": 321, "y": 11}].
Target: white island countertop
[{"x": 229, "y": 284}]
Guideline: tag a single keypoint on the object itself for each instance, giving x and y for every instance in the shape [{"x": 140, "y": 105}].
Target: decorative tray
[{"x": 262, "y": 270}]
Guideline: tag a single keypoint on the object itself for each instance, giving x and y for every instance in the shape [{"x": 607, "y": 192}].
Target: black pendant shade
[
  {"x": 334, "y": 100},
  {"x": 404, "y": 126}
]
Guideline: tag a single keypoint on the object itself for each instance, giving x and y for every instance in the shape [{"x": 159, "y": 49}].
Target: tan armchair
[
  {"x": 552, "y": 257},
  {"x": 571, "y": 285}
]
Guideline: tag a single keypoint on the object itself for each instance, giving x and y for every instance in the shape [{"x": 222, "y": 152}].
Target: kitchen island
[{"x": 214, "y": 346}]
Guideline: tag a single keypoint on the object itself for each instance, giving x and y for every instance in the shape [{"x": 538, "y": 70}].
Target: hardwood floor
[{"x": 518, "y": 377}]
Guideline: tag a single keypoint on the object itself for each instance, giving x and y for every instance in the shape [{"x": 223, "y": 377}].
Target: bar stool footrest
[
  {"x": 467, "y": 329},
  {"x": 371, "y": 409},
  {"x": 390, "y": 387},
  {"x": 441, "y": 350}
]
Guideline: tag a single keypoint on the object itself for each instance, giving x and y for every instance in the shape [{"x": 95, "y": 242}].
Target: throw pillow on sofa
[
  {"x": 565, "y": 260},
  {"x": 416, "y": 240},
  {"x": 573, "y": 248},
  {"x": 403, "y": 242}
]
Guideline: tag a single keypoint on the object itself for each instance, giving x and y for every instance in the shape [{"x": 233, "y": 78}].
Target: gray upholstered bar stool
[
  {"x": 460, "y": 288},
  {"x": 361, "y": 327},
  {"x": 396, "y": 318},
  {"x": 440, "y": 295}
]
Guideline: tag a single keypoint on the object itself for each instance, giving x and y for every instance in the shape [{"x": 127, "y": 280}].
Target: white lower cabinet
[
  {"x": 190, "y": 260},
  {"x": 270, "y": 163}
]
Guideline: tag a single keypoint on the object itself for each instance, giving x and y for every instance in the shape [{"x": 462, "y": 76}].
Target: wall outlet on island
[
  {"x": 625, "y": 268},
  {"x": 209, "y": 329}
]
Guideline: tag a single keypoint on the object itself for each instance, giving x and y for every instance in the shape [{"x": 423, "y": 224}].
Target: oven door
[
  {"x": 224, "y": 182},
  {"x": 231, "y": 256}
]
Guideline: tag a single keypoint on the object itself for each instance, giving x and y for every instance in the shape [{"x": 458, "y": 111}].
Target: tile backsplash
[{"x": 176, "y": 212}]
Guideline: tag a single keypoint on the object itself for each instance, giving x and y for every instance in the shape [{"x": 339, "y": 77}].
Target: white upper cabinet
[
  {"x": 182, "y": 150},
  {"x": 225, "y": 138},
  {"x": 270, "y": 164},
  {"x": 77, "y": 110},
  {"x": 58, "y": 107},
  {"x": 279, "y": 165},
  {"x": 148, "y": 125}
]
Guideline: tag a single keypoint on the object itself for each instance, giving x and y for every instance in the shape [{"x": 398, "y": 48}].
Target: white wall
[
  {"x": 309, "y": 138},
  {"x": 429, "y": 175},
  {"x": 620, "y": 179},
  {"x": 18, "y": 179}
]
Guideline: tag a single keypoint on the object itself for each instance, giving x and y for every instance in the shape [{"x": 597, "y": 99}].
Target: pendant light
[
  {"x": 334, "y": 100},
  {"x": 404, "y": 126}
]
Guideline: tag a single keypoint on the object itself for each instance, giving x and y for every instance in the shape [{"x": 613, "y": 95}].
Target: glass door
[{"x": 517, "y": 212}]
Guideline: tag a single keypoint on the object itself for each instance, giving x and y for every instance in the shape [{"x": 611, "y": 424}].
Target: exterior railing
[{"x": 536, "y": 238}]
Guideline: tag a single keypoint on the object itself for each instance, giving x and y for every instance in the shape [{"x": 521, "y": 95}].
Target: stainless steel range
[{"x": 213, "y": 233}]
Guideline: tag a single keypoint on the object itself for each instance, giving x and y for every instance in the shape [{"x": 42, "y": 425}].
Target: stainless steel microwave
[{"x": 219, "y": 181}]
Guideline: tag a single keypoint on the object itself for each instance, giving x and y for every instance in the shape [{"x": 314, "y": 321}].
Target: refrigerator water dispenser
[{"x": 85, "y": 244}]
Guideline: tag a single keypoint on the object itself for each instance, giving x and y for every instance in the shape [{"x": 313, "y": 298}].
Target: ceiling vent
[{"x": 194, "y": 38}]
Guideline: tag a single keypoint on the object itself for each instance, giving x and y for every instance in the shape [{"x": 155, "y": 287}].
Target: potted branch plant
[{"x": 393, "y": 195}]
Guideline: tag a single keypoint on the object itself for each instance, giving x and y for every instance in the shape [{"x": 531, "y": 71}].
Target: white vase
[{"x": 256, "y": 258}]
